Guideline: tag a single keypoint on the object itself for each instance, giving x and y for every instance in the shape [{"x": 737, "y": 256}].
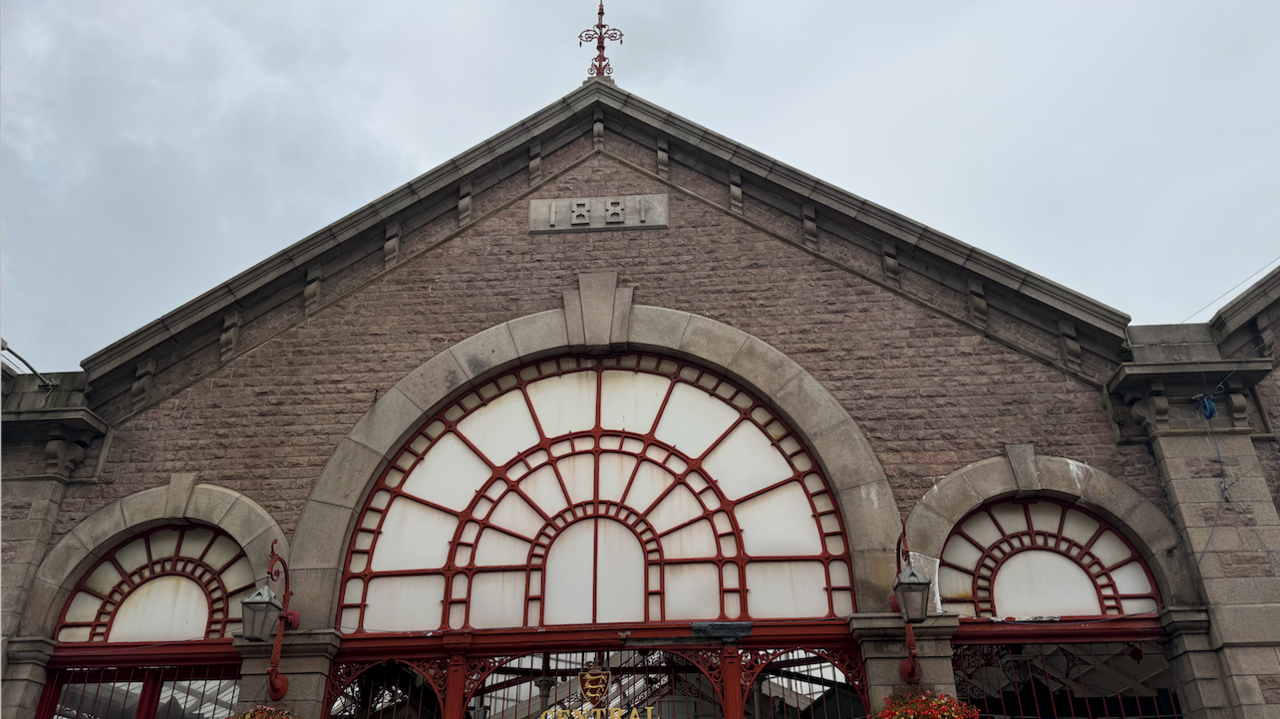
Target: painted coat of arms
[{"x": 595, "y": 684}]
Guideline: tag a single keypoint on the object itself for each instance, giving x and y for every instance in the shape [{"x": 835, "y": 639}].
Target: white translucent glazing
[
  {"x": 693, "y": 420},
  {"x": 239, "y": 574},
  {"x": 693, "y": 542},
  {"x": 497, "y": 600},
  {"x": 650, "y": 481},
  {"x": 615, "y": 472},
  {"x": 1079, "y": 527},
  {"x": 961, "y": 553},
  {"x": 496, "y": 549},
  {"x": 449, "y": 475},
  {"x": 163, "y": 543},
  {"x": 404, "y": 604},
  {"x": 1110, "y": 549},
  {"x": 955, "y": 586},
  {"x": 414, "y": 536},
  {"x": 692, "y": 592},
  {"x": 543, "y": 488},
  {"x": 168, "y": 608},
  {"x": 1131, "y": 579},
  {"x": 83, "y": 608},
  {"x": 982, "y": 529},
  {"x": 1043, "y": 584},
  {"x": 1012, "y": 517},
  {"x": 103, "y": 579},
  {"x": 679, "y": 506},
  {"x": 746, "y": 462},
  {"x": 570, "y": 569},
  {"x": 777, "y": 590},
  {"x": 564, "y": 404},
  {"x": 501, "y": 428},
  {"x": 1045, "y": 516},
  {"x": 630, "y": 400},
  {"x": 579, "y": 474},
  {"x": 194, "y": 542},
  {"x": 221, "y": 552},
  {"x": 779, "y": 523},
  {"x": 619, "y": 574},
  {"x": 515, "y": 514},
  {"x": 134, "y": 555}
]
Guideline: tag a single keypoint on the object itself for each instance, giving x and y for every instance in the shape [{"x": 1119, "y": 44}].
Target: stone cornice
[{"x": 1244, "y": 308}]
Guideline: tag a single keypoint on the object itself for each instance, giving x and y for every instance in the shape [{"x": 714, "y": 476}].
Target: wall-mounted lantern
[
  {"x": 911, "y": 597},
  {"x": 263, "y": 613}
]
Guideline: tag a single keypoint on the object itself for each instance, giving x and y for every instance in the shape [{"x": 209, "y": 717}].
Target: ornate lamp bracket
[{"x": 277, "y": 683}]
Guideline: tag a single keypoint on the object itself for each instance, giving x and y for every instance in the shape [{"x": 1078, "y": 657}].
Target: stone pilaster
[
  {"x": 882, "y": 640},
  {"x": 25, "y": 659},
  {"x": 305, "y": 658}
]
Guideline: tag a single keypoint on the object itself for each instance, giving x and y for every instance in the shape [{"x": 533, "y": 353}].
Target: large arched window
[
  {"x": 597, "y": 490},
  {"x": 1041, "y": 558}
]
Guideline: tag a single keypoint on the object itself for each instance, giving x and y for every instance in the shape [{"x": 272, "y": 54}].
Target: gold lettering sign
[{"x": 599, "y": 713}]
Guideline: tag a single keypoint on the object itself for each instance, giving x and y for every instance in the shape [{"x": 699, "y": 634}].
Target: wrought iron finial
[{"x": 601, "y": 32}]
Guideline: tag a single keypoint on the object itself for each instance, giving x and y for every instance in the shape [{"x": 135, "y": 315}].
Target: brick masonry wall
[
  {"x": 930, "y": 394},
  {"x": 1269, "y": 450}
]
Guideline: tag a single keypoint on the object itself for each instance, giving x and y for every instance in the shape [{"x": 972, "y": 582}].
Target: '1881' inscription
[{"x": 584, "y": 214}]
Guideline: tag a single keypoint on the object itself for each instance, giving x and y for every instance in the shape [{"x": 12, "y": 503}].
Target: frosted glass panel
[
  {"x": 579, "y": 474},
  {"x": 543, "y": 487},
  {"x": 1046, "y": 516},
  {"x": 1043, "y": 584},
  {"x": 163, "y": 609},
  {"x": 195, "y": 542},
  {"x": 693, "y": 592},
  {"x": 1110, "y": 549},
  {"x": 650, "y": 481},
  {"x": 414, "y": 536},
  {"x": 569, "y": 571},
  {"x": 103, "y": 579},
  {"x": 631, "y": 400},
  {"x": 779, "y": 523},
  {"x": 619, "y": 574},
  {"x": 693, "y": 542},
  {"x": 1012, "y": 517},
  {"x": 83, "y": 608},
  {"x": 955, "y": 586},
  {"x": 678, "y": 507},
  {"x": 1079, "y": 527},
  {"x": 515, "y": 514},
  {"x": 694, "y": 419},
  {"x": 450, "y": 474},
  {"x": 404, "y": 604},
  {"x": 778, "y": 590},
  {"x": 746, "y": 462},
  {"x": 564, "y": 404},
  {"x": 982, "y": 529},
  {"x": 134, "y": 555},
  {"x": 164, "y": 543},
  {"x": 496, "y": 549},
  {"x": 1131, "y": 579},
  {"x": 497, "y": 600},
  {"x": 615, "y": 472},
  {"x": 501, "y": 428},
  {"x": 961, "y": 553}
]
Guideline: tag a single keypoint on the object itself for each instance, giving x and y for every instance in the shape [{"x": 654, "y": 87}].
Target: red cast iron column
[{"x": 731, "y": 673}]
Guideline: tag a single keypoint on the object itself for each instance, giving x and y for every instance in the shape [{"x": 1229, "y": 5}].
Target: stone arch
[
  {"x": 1022, "y": 473},
  {"x": 865, "y": 497},
  {"x": 181, "y": 502}
]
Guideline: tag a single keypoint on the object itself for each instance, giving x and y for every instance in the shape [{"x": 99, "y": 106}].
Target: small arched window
[
  {"x": 1042, "y": 558},
  {"x": 594, "y": 490},
  {"x": 166, "y": 584}
]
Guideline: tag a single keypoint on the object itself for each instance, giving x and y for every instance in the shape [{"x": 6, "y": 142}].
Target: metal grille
[
  {"x": 142, "y": 693},
  {"x": 1102, "y": 680},
  {"x": 387, "y": 691},
  {"x": 803, "y": 685}
]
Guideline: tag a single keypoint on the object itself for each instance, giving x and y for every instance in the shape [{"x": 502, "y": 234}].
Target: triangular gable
[{"x": 763, "y": 178}]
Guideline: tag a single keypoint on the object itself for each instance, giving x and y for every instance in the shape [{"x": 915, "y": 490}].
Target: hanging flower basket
[
  {"x": 926, "y": 705},
  {"x": 262, "y": 711}
]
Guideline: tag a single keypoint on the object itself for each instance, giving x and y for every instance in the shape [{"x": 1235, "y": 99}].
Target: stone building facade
[{"x": 906, "y": 378}]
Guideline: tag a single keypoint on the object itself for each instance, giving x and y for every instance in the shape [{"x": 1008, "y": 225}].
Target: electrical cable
[{"x": 1224, "y": 294}]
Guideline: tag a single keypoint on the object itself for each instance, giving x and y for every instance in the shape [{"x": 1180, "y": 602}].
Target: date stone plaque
[{"x": 586, "y": 214}]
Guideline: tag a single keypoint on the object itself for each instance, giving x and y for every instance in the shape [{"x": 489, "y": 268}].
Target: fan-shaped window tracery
[
  {"x": 1041, "y": 558},
  {"x": 167, "y": 584},
  {"x": 589, "y": 490}
]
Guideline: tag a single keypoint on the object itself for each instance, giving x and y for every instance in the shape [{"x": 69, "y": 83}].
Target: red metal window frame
[
  {"x": 209, "y": 579},
  {"x": 474, "y": 520},
  {"x": 1045, "y": 539},
  {"x": 150, "y": 664}
]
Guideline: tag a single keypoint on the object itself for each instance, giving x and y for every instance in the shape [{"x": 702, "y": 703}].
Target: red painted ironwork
[
  {"x": 1049, "y": 539},
  {"x": 209, "y": 578},
  {"x": 116, "y": 690},
  {"x": 277, "y": 683},
  {"x": 473, "y": 522},
  {"x": 1131, "y": 629},
  {"x": 600, "y": 66},
  {"x": 910, "y": 669},
  {"x": 1111, "y": 679}
]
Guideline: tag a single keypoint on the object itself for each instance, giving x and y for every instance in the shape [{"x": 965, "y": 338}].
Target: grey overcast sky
[{"x": 151, "y": 150}]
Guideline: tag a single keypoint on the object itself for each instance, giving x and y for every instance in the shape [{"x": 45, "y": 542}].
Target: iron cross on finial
[{"x": 601, "y": 32}]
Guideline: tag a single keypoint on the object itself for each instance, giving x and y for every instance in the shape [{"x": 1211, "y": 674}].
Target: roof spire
[{"x": 600, "y": 67}]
